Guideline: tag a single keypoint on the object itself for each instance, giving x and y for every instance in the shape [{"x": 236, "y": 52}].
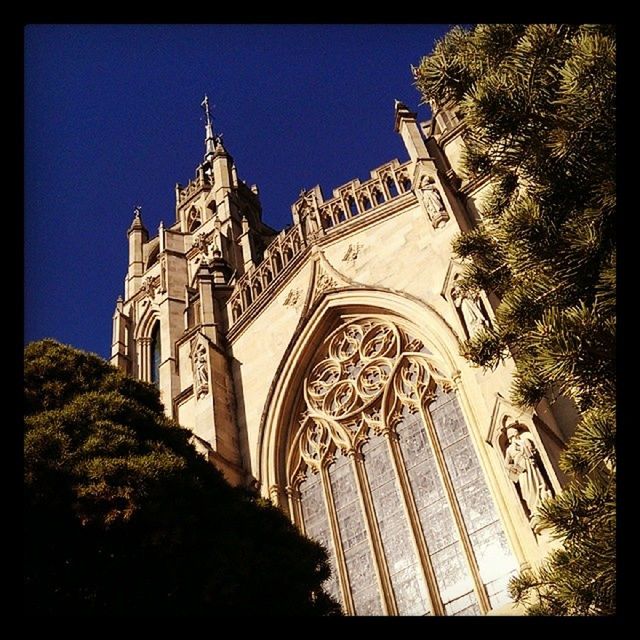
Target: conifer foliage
[
  {"x": 122, "y": 516},
  {"x": 538, "y": 102}
]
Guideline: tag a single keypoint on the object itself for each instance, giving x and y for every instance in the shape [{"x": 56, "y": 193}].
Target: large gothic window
[{"x": 385, "y": 475}]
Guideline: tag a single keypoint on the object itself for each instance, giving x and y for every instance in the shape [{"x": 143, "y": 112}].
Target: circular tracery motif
[
  {"x": 344, "y": 345},
  {"x": 373, "y": 377},
  {"x": 341, "y": 400},
  {"x": 357, "y": 363},
  {"x": 364, "y": 373},
  {"x": 380, "y": 341}
]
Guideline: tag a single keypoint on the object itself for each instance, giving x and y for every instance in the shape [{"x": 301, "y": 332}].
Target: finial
[
  {"x": 137, "y": 219},
  {"x": 209, "y": 140}
]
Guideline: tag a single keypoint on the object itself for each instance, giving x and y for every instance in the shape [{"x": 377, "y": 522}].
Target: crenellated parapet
[
  {"x": 202, "y": 182},
  {"x": 313, "y": 218},
  {"x": 355, "y": 197}
]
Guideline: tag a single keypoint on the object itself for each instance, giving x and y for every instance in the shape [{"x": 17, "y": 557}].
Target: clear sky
[{"x": 113, "y": 120}]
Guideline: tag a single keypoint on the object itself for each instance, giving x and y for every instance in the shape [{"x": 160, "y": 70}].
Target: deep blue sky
[{"x": 113, "y": 119}]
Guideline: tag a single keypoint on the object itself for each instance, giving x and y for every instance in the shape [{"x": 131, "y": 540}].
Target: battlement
[
  {"x": 200, "y": 183},
  {"x": 355, "y": 197},
  {"x": 314, "y": 217}
]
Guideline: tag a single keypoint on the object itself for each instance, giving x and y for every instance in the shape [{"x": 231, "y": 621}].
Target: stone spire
[{"x": 209, "y": 139}]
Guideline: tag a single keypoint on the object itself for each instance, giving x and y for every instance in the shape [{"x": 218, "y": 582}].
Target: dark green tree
[
  {"x": 122, "y": 516},
  {"x": 538, "y": 102}
]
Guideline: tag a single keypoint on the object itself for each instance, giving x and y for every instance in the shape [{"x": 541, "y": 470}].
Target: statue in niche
[
  {"x": 200, "y": 370},
  {"x": 313, "y": 224},
  {"x": 524, "y": 468},
  {"x": 470, "y": 309},
  {"x": 307, "y": 210},
  {"x": 433, "y": 201}
]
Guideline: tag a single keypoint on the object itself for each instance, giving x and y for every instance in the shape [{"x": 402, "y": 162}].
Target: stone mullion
[
  {"x": 380, "y": 562},
  {"x": 145, "y": 359},
  {"x": 480, "y": 590},
  {"x": 295, "y": 505},
  {"x": 437, "y": 608},
  {"x": 343, "y": 573},
  {"x": 355, "y": 200}
]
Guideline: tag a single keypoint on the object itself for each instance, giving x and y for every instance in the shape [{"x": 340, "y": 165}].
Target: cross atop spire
[{"x": 209, "y": 140}]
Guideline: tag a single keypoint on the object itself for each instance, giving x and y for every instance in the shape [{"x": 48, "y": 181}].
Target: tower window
[
  {"x": 193, "y": 220},
  {"x": 155, "y": 354}
]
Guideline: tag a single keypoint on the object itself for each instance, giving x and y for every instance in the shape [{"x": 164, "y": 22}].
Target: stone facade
[{"x": 320, "y": 366}]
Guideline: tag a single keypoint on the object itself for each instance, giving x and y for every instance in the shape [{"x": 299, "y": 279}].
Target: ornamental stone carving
[
  {"x": 525, "y": 470},
  {"x": 201, "y": 242},
  {"x": 324, "y": 282},
  {"x": 292, "y": 298},
  {"x": 366, "y": 372},
  {"x": 148, "y": 286},
  {"x": 432, "y": 201},
  {"x": 352, "y": 253},
  {"x": 200, "y": 370}
]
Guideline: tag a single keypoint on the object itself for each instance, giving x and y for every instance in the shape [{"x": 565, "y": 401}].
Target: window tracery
[
  {"x": 385, "y": 475},
  {"x": 193, "y": 220}
]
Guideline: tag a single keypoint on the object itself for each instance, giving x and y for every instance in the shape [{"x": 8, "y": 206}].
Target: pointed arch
[
  {"x": 146, "y": 329},
  {"x": 297, "y": 441},
  {"x": 320, "y": 318}
]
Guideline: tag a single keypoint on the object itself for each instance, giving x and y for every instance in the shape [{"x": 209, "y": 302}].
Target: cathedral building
[{"x": 320, "y": 365}]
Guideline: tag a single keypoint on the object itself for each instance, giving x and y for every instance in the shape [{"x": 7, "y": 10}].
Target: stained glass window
[
  {"x": 397, "y": 476},
  {"x": 317, "y": 526}
]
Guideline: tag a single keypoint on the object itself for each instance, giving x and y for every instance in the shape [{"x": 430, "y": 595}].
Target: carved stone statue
[
  {"x": 521, "y": 458},
  {"x": 470, "y": 309},
  {"x": 307, "y": 211},
  {"x": 313, "y": 223},
  {"x": 200, "y": 370},
  {"x": 433, "y": 202}
]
